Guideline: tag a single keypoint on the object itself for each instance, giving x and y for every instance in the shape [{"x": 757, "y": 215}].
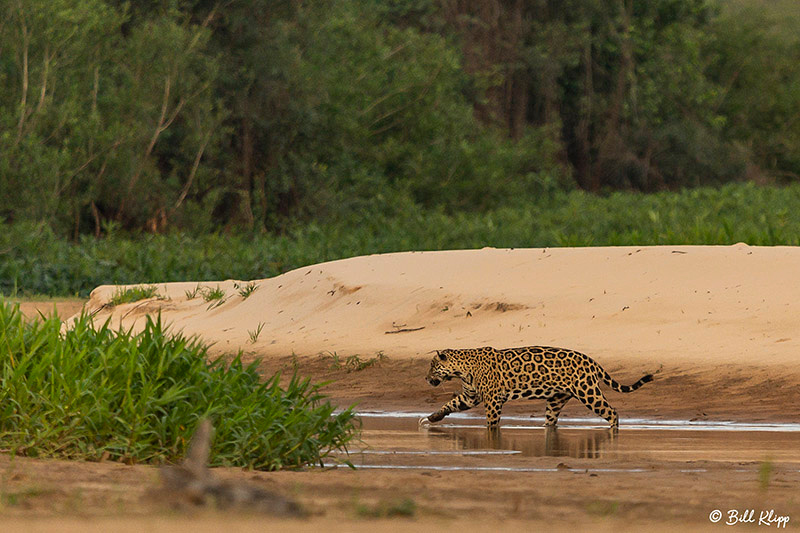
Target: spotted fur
[{"x": 532, "y": 372}]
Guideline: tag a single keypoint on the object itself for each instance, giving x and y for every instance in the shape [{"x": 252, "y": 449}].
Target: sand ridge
[{"x": 681, "y": 305}]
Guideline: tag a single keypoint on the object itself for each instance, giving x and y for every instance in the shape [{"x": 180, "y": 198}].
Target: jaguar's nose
[{"x": 434, "y": 381}]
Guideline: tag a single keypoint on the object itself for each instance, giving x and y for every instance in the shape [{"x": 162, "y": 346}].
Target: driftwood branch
[{"x": 403, "y": 330}]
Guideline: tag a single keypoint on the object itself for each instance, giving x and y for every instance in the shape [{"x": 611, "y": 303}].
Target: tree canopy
[{"x": 207, "y": 114}]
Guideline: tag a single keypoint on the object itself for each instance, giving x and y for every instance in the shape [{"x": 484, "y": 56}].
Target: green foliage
[
  {"x": 377, "y": 112},
  {"x": 98, "y": 122},
  {"x": 133, "y": 294},
  {"x": 35, "y": 261},
  {"x": 92, "y": 393},
  {"x": 266, "y": 115},
  {"x": 754, "y": 46}
]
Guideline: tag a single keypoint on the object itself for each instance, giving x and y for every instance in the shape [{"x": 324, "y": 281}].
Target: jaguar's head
[{"x": 445, "y": 365}]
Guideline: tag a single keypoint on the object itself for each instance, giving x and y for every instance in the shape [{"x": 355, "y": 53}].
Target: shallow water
[{"x": 461, "y": 442}]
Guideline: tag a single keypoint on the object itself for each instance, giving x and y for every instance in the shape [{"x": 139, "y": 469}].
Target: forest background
[{"x": 171, "y": 140}]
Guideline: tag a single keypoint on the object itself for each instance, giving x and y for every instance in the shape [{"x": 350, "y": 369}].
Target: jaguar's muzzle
[{"x": 434, "y": 381}]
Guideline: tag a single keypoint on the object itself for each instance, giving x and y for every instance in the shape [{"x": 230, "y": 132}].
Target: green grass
[
  {"x": 254, "y": 334},
  {"x": 34, "y": 261},
  {"x": 92, "y": 393},
  {"x": 133, "y": 294},
  {"x": 246, "y": 290},
  {"x": 210, "y": 295},
  {"x": 216, "y": 296},
  {"x": 192, "y": 294}
]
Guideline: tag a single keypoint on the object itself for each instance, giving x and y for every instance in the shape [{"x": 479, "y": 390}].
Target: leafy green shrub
[{"x": 92, "y": 393}]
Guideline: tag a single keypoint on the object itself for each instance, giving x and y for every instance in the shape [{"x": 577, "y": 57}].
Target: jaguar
[{"x": 531, "y": 372}]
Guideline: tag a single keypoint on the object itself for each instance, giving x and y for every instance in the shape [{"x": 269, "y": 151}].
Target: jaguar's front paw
[{"x": 430, "y": 419}]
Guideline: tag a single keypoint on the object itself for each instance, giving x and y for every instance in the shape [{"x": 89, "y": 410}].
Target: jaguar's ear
[{"x": 441, "y": 356}]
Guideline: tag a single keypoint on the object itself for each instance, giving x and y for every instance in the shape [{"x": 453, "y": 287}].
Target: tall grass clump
[
  {"x": 133, "y": 294},
  {"x": 93, "y": 393}
]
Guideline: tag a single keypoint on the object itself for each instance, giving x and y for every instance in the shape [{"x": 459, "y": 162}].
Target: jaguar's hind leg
[
  {"x": 555, "y": 403},
  {"x": 494, "y": 406},
  {"x": 594, "y": 399}
]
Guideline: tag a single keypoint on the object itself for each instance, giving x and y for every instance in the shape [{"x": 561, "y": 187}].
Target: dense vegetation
[
  {"x": 92, "y": 393},
  {"x": 36, "y": 261},
  {"x": 258, "y": 115}
]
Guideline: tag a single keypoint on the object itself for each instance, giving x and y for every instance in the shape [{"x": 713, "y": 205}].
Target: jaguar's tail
[{"x": 611, "y": 382}]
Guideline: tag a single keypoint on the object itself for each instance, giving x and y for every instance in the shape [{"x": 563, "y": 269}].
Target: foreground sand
[
  {"x": 722, "y": 321},
  {"x": 72, "y": 496}
]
